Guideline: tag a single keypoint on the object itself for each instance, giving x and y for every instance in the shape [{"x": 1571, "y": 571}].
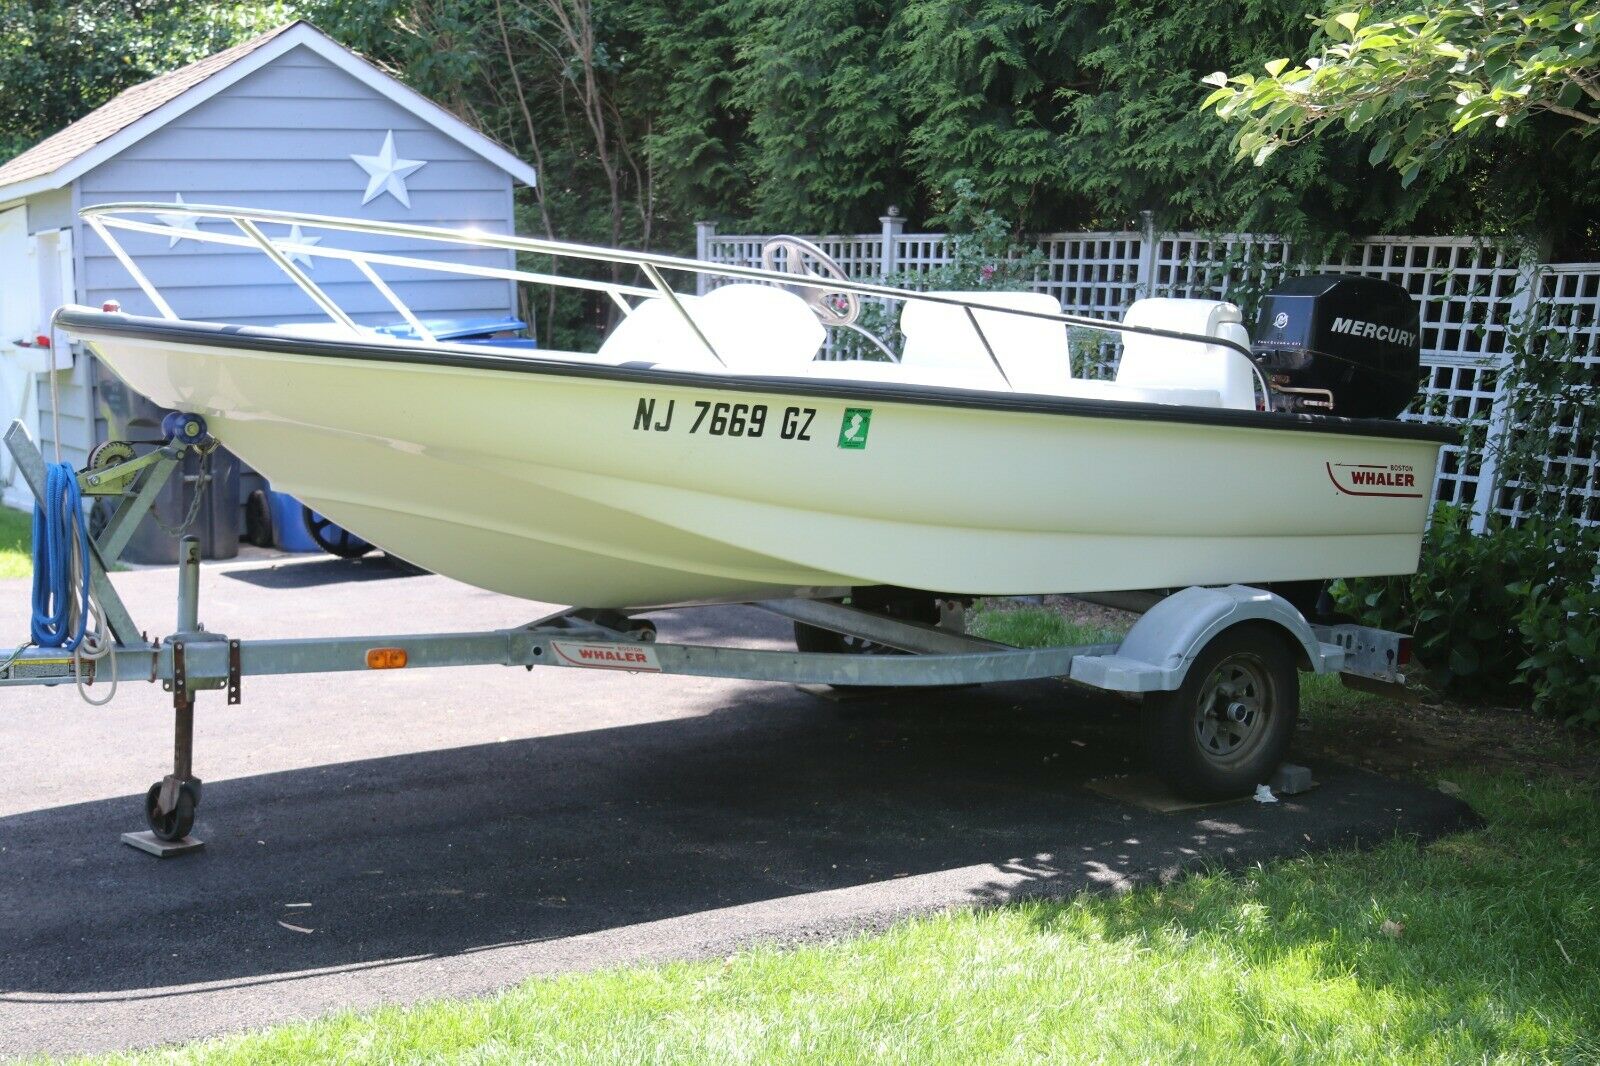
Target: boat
[{"x": 707, "y": 452}]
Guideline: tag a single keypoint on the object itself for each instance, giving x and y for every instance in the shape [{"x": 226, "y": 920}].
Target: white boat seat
[
  {"x": 760, "y": 327},
  {"x": 1033, "y": 351},
  {"x": 1164, "y": 363},
  {"x": 654, "y": 332},
  {"x": 752, "y": 327}
]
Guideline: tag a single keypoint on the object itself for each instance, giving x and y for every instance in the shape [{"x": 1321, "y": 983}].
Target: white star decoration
[
  {"x": 185, "y": 222},
  {"x": 296, "y": 237},
  {"x": 386, "y": 172}
]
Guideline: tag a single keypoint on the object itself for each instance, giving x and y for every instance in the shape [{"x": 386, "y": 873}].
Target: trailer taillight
[
  {"x": 386, "y": 658},
  {"x": 1403, "y": 655}
]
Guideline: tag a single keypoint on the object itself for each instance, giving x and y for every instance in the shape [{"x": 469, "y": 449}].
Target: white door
[
  {"x": 52, "y": 255},
  {"x": 19, "y": 362}
]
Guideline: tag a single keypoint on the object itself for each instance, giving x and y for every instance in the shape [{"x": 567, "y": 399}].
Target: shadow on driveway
[
  {"x": 316, "y": 572},
  {"x": 774, "y": 797}
]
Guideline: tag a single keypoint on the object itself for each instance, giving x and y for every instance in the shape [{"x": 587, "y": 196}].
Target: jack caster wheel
[
  {"x": 174, "y": 825},
  {"x": 1228, "y": 726}
]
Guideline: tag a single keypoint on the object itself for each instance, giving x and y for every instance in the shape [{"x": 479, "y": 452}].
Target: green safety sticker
[{"x": 853, "y": 430}]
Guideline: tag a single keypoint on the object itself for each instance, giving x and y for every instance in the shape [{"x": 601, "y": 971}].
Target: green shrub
[
  {"x": 1510, "y": 612},
  {"x": 1562, "y": 669}
]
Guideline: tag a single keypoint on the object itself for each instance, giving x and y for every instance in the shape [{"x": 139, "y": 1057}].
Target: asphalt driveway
[{"x": 413, "y": 834}]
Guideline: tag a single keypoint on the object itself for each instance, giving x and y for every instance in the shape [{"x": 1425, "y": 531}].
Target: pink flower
[{"x": 987, "y": 272}]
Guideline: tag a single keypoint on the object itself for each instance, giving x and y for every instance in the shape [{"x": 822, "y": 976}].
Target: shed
[{"x": 290, "y": 120}]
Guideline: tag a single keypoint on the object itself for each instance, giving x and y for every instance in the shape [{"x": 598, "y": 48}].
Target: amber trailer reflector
[{"x": 385, "y": 658}]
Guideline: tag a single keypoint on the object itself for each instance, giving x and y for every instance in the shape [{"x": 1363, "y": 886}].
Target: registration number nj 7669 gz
[{"x": 723, "y": 419}]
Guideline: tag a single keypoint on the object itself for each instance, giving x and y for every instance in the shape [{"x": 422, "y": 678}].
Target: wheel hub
[{"x": 1233, "y": 709}]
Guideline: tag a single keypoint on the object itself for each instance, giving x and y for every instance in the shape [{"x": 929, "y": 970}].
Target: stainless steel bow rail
[
  {"x": 808, "y": 269},
  {"x": 1153, "y": 658}
]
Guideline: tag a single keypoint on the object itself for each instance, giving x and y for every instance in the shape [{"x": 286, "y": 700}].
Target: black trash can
[{"x": 130, "y": 416}]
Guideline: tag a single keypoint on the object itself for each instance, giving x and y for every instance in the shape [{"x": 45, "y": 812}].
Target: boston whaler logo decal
[
  {"x": 853, "y": 428},
  {"x": 1398, "y": 480},
  {"x": 599, "y": 656},
  {"x": 1356, "y": 327}
]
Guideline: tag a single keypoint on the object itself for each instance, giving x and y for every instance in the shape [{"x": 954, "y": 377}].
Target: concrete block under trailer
[{"x": 1217, "y": 667}]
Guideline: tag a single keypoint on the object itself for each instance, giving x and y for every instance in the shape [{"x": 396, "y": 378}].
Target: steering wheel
[{"x": 798, "y": 256}]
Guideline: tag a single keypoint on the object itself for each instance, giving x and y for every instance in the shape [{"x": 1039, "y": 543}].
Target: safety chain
[{"x": 201, "y": 482}]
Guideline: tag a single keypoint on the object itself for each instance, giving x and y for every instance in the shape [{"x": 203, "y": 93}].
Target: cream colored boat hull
[{"x": 602, "y": 491}]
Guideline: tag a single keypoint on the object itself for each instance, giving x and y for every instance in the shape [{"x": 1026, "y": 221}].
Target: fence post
[
  {"x": 1500, "y": 414},
  {"x": 1144, "y": 280},
  {"x": 703, "y": 232},
  {"x": 893, "y": 226}
]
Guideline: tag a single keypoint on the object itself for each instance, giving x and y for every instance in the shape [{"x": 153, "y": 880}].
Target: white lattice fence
[
  {"x": 1568, "y": 303},
  {"x": 1471, "y": 296},
  {"x": 1094, "y": 274},
  {"x": 861, "y": 256}
]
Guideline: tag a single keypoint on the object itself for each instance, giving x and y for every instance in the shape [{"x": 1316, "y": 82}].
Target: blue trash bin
[
  {"x": 289, "y": 531},
  {"x": 501, "y": 332}
]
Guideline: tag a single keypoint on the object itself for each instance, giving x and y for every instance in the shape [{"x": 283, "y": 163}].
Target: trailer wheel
[
  {"x": 1228, "y": 726},
  {"x": 175, "y": 824}
]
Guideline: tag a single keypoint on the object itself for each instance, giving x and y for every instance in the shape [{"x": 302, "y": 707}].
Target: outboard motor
[{"x": 1341, "y": 344}]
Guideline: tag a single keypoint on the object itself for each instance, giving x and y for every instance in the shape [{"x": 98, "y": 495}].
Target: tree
[
  {"x": 60, "y": 59},
  {"x": 1132, "y": 140},
  {"x": 643, "y": 115},
  {"x": 823, "y": 137},
  {"x": 1418, "y": 76},
  {"x": 977, "y": 81}
]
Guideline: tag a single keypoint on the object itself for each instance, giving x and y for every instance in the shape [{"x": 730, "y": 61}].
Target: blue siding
[{"x": 282, "y": 138}]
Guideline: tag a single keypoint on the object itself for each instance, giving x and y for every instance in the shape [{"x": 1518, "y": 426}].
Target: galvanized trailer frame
[{"x": 1154, "y": 657}]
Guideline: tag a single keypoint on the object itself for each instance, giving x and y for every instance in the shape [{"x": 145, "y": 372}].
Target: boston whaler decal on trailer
[
  {"x": 597, "y": 656},
  {"x": 1374, "y": 479}
]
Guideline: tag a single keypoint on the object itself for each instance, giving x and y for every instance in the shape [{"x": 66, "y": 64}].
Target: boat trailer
[{"x": 1154, "y": 659}]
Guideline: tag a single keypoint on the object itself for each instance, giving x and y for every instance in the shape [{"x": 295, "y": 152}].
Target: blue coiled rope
[{"x": 56, "y": 523}]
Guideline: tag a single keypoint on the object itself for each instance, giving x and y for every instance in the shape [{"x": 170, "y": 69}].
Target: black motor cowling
[{"x": 1343, "y": 343}]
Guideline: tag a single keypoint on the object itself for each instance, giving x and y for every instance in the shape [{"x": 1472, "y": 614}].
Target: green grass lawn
[
  {"x": 16, "y": 536},
  {"x": 1483, "y": 947}
]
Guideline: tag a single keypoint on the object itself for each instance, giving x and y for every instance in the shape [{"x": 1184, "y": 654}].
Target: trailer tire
[{"x": 1228, "y": 726}]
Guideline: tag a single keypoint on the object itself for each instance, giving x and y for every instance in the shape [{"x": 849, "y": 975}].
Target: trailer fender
[{"x": 1156, "y": 654}]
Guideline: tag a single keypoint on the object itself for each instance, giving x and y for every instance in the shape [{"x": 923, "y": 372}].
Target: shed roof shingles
[{"x": 122, "y": 111}]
